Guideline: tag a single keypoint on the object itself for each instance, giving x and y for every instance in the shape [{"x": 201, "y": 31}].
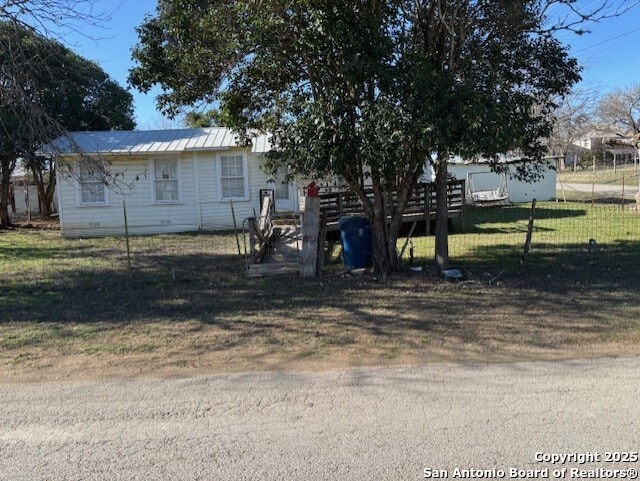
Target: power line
[{"x": 607, "y": 40}]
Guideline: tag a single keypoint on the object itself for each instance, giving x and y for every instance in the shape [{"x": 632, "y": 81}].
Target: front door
[{"x": 284, "y": 196}]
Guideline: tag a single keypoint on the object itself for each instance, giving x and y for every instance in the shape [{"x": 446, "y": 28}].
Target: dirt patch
[
  {"x": 289, "y": 324},
  {"x": 75, "y": 310}
]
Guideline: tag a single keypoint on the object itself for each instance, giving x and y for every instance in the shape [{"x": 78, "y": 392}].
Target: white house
[
  {"x": 622, "y": 148},
  {"x": 171, "y": 181}
]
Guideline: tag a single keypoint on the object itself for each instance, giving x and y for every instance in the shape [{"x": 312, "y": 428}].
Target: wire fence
[
  {"x": 593, "y": 226},
  {"x": 42, "y": 259}
]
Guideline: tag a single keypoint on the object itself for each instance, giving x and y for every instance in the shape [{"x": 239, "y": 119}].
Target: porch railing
[{"x": 421, "y": 205}]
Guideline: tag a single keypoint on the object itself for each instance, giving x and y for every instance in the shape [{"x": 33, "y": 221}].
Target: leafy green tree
[
  {"x": 48, "y": 90},
  {"x": 367, "y": 90},
  {"x": 77, "y": 95},
  {"x": 210, "y": 118}
]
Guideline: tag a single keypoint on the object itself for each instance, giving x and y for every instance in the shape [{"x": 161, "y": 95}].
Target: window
[
  {"x": 166, "y": 180},
  {"x": 92, "y": 186},
  {"x": 233, "y": 180}
]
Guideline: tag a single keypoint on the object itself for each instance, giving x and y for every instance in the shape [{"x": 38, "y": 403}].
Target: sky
[
  {"x": 609, "y": 54},
  {"x": 110, "y": 47}
]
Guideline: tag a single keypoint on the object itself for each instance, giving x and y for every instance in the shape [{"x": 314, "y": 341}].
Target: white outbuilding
[{"x": 485, "y": 185}]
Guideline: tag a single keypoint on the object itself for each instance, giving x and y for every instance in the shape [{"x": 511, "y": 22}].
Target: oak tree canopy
[{"x": 368, "y": 90}]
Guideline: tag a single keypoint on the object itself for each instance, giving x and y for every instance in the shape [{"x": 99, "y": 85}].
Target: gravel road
[{"x": 357, "y": 424}]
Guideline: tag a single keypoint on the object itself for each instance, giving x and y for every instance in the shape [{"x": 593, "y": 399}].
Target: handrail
[{"x": 260, "y": 231}]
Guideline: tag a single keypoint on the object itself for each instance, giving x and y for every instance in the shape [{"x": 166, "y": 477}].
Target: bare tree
[
  {"x": 569, "y": 15},
  {"x": 55, "y": 18},
  {"x": 574, "y": 117},
  {"x": 32, "y": 33},
  {"x": 620, "y": 112}
]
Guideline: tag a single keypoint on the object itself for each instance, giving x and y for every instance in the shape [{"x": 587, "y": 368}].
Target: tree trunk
[
  {"x": 46, "y": 190},
  {"x": 384, "y": 231},
  {"x": 5, "y": 220},
  {"x": 6, "y": 169},
  {"x": 385, "y": 212},
  {"x": 563, "y": 160},
  {"x": 380, "y": 231},
  {"x": 442, "y": 218}
]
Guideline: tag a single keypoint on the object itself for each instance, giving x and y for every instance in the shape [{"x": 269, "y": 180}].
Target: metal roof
[{"x": 151, "y": 141}]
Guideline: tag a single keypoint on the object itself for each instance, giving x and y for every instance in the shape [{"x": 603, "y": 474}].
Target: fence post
[
  {"x": 235, "y": 229},
  {"x": 322, "y": 237},
  {"x": 527, "y": 244},
  {"x": 126, "y": 233}
]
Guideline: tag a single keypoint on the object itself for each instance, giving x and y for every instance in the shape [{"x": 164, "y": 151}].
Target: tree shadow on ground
[{"x": 557, "y": 298}]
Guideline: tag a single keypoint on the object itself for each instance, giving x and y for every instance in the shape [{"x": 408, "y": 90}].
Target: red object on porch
[{"x": 313, "y": 190}]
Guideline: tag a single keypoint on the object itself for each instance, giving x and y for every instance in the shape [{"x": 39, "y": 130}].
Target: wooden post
[
  {"x": 322, "y": 238},
  {"x": 527, "y": 243},
  {"x": 310, "y": 231},
  {"x": 623, "y": 191},
  {"x": 427, "y": 207},
  {"x": 252, "y": 240},
  {"x": 126, "y": 233},
  {"x": 235, "y": 228},
  {"x": 464, "y": 201}
]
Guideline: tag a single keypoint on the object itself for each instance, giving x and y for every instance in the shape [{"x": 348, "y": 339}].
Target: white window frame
[
  {"x": 80, "y": 202},
  {"x": 245, "y": 177},
  {"x": 152, "y": 170}
]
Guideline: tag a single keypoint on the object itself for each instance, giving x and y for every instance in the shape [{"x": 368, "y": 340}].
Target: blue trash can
[{"x": 357, "y": 242}]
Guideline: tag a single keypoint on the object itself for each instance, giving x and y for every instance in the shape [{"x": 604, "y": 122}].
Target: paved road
[
  {"x": 361, "y": 424},
  {"x": 611, "y": 190}
]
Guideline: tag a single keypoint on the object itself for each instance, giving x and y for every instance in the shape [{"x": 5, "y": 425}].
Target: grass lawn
[{"x": 72, "y": 309}]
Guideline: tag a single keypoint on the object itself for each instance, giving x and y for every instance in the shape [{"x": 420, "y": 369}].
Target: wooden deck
[
  {"x": 420, "y": 206},
  {"x": 276, "y": 242}
]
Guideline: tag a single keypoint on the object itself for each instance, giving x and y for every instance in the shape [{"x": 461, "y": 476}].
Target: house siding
[{"x": 200, "y": 206}]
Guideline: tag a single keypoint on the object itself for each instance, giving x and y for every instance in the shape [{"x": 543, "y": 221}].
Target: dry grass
[{"x": 72, "y": 310}]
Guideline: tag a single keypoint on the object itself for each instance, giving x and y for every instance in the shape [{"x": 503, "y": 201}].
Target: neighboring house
[
  {"x": 595, "y": 143},
  {"x": 479, "y": 176},
  {"x": 171, "y": 180}
]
